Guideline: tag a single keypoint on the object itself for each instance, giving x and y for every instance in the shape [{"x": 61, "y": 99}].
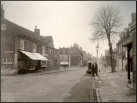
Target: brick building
[
  {"x": 122, "y": 50},
  {"x": 24, "y": 49},
  {"x": 76, "y": 55},
  {"x": 72, "y": 56}
]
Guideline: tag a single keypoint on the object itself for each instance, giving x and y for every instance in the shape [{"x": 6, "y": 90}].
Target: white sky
[{"x": 67, "y": 21}]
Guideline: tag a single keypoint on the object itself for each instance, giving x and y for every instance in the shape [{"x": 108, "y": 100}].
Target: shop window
[
  {"x": 43, "y": 63},
  {"x": 22, "y": 44},
  {"x": 34, "y": 47},
  {"x": 6, "y": 60}
]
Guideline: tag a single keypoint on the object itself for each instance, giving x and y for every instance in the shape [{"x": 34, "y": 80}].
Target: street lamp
[{"x": 97, "y": 48}]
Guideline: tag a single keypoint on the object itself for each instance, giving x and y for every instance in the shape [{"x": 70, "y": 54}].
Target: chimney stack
[{"x": 37, "y": 31}]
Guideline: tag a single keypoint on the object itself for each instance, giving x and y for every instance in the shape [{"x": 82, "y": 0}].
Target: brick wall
[{"x": 7, "y": 47}]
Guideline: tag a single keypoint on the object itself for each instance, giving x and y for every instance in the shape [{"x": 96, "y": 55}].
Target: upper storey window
[
  {"x": 34, "y": 47},
  {"x": 3, "y": 27},
  {"x": 22, "y": 44},
  {"x": 43, "y": 50}
]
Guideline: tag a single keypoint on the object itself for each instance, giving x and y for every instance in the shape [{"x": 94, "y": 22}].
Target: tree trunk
[
  {"x": 112, "y": 61},
  {"x": 111, "y": 53}
]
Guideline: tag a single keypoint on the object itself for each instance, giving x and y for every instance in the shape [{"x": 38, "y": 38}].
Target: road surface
[{"x": 68, "y": 86}]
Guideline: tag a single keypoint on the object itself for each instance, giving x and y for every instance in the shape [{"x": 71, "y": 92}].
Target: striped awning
[{"x": 34, "y": 56}]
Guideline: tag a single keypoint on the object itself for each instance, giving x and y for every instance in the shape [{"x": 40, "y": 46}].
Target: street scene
[{"x": 68, "y": 51}]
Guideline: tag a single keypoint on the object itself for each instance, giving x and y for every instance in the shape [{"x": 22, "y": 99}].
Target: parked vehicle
[{"x": 89, "y": 71}]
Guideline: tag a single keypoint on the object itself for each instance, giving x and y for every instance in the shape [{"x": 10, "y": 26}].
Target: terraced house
[{"x": 22, "y": 49}]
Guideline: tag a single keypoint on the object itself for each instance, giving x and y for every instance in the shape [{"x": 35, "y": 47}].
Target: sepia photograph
[{"x": 68, "y": 51}]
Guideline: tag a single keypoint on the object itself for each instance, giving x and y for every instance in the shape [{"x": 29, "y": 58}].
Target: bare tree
[{"x": 106, "y": 23}]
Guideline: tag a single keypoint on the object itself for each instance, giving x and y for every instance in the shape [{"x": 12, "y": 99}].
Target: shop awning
[
  {"x": 40, "y": 57},
  {"x": 34, "y": 56},
  {"x": 127, "y": 44},
  {"x": 30, "y": 55}
]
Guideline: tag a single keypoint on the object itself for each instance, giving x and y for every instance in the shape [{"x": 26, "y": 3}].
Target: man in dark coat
[{"x": 95, "y": 69}]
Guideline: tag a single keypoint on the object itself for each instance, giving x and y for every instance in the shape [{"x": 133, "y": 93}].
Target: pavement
[{"x": 112, "y": 87}]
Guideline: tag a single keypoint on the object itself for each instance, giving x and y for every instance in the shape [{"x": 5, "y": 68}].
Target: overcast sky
[{"x": 66, "y": 21}]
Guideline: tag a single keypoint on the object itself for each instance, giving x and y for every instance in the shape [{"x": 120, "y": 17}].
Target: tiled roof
[
  {"x": 23, "y": 32},
  {"x": 48, "y": 38}
]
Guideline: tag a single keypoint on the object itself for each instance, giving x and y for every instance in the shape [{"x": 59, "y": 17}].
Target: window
[
  {"x": 6, "y": 60},
  {"x": 22, "y": 44},
  {"x": 49, "y": 51},
  {"x": 43, "y": 50},
  {"x": 28, "y": 46},
  {"x": 34, "y": 47},
  {"x": 54, "y": 51},
  {"x": 3, "y": 27}
]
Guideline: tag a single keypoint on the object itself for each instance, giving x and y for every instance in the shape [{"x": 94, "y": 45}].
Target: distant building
[
  {"x": 64, "y": 56},
  {"x": 72, "y": 56},
  {"x": 76, "y": 55}
]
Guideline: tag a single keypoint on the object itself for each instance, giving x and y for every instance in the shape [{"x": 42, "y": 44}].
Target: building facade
[
  {"x": 132, "y": 28},
  {"x": 22, "y": 49},
  {"x": 72, "y": 56},
  {"x": 76, "y": 56}
]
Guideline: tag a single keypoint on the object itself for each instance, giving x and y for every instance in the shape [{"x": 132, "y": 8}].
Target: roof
[
  {"x": 23, "y": 32},
  {"x": 48, "y": 38}
]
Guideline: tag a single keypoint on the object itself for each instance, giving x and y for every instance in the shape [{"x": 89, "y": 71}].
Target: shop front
[
  {"x": 28, "y": 62},
  {"x": 129, "y": 66}
]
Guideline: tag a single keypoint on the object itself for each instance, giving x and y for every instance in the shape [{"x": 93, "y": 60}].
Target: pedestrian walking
[{"x": 94, "y": 70}]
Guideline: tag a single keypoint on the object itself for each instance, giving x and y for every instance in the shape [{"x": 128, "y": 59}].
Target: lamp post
[
  {"x": 69, "y": 56},
  {"x": 97, "y": 49}
]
